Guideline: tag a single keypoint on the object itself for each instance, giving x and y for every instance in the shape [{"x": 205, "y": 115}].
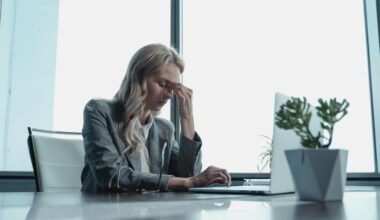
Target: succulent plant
[{"x": 295, "y": 114}]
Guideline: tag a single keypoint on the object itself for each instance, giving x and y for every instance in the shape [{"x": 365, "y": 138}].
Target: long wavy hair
[{"x": 133, "y": 90}]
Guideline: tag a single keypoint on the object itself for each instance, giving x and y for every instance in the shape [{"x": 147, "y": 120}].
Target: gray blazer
[{"x": 107, "y": 169}]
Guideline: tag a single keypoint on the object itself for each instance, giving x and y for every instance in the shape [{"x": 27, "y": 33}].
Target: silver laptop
[{"x": 280, "y": 177}]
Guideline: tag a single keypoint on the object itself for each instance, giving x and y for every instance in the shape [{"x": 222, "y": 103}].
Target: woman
[{"x": 128, "y": 148}]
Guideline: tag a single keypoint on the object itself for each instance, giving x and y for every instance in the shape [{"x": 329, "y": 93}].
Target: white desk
[{"x": 363, "y": 203}]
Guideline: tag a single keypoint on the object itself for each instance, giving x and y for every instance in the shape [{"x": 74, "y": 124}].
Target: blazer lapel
[
  {"x": 155, "y": 144},
  {"x": 118, "y": 139},
  {"x": 132, "y": 158}
]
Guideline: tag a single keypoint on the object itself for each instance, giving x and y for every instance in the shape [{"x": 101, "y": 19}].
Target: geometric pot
[{"x": 318, "y": 174}]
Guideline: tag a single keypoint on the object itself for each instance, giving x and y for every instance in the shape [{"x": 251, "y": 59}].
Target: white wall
[{"x": 28, "y": 37}]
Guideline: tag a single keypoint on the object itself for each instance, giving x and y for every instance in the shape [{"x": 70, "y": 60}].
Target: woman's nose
[{"x": 168, "y": 93}]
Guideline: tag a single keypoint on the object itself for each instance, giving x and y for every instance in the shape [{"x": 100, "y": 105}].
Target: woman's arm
[
  {"x": 209, "y": 176},
  {"x": 105, "y": 168},
  {"x": 186, "y": 158},
  {"x": 185, "y": 99},
  {"x": 189, "y": 159}
]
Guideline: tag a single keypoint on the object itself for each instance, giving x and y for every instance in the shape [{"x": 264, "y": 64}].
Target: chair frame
[{"x": 32, "y": 151}]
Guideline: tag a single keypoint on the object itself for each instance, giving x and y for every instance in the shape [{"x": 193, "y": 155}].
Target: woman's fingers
[
  {"x": 182, "y": 91},
  {"x": 218, "y": 180},
  {"x": 183, "y": 94},
  {"x": 212, "y": 175},
  {"x": 219, "y": 174},
  {"x": 224, "y": 178},
  {"x": 228, "y": 176}
]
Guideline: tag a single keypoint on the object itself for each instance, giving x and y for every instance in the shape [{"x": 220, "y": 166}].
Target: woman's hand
[
  {"x": 211, "y": 175},
  {"x": 208, "y": 176},
  {"x": 184, "y": 96}
]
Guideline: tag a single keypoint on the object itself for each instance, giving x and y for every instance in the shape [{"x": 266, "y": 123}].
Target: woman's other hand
[{"x": 210, "y": 176}]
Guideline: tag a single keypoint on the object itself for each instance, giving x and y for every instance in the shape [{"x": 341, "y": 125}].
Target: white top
[{"x": 144, "y": 153}]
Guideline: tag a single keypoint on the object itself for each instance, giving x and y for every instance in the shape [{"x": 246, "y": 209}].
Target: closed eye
[{"x": 162, "y": 84}]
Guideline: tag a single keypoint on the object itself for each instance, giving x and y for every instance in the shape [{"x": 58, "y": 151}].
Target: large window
[
  {"x": 57, "y": 54},
  {"x": 239, "y": 54},
  {"x": 60, "y": 54},
  {"x": 94, "y": 50}
]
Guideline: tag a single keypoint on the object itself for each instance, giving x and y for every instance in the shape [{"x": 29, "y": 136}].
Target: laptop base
[{"x": 250, "y": 190}]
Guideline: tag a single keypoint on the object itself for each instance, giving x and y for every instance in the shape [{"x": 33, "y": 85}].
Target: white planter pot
[{"x": 318, "y": 175}]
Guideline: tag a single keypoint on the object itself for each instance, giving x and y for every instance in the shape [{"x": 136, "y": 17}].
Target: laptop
[{"x": 280, "y": 178}]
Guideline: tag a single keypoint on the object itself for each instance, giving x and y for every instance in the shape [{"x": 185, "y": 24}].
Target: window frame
[{"x": 373, "y": 49}]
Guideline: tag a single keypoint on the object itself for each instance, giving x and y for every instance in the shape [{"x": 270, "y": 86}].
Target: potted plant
[
  {"x": 265, "y": 157},
  {"x": 319, "y": 173}
]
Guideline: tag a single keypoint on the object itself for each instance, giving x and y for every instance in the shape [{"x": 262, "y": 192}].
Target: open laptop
[{"x": 280, "y": 177}]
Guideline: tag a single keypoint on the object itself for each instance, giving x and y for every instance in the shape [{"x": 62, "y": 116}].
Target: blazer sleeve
[
  {"x": 108, "y": 168},
  {"x": 186, "y": 158}
]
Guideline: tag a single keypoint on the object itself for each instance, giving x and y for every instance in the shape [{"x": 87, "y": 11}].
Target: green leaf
[{"x": 295, "y": 115}]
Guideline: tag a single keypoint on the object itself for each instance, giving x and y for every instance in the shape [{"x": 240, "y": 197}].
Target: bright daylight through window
[
  {"x": 237, "y": 55},
  {"x": 75, "y": 50},
  {"x": 246, "y": 52}
]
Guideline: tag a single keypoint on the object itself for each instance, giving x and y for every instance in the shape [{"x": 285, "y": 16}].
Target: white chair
[{"x": 57, "y": 159}]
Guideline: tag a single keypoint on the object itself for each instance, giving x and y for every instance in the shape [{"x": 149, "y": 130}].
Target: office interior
[{"x": 55, "y": 55}]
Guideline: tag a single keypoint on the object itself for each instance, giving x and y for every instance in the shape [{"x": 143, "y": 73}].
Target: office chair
[{"x": 57, "y": 158}]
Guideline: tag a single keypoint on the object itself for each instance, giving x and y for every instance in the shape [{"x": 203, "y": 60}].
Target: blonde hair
[{"x": 133, "y": 90}]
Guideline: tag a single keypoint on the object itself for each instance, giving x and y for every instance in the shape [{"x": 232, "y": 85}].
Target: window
[
  {"x": 63, "y": 54},
  {"x": 243, "y": 53},
  {"x": 237, "y": 54},
  {"x": 93, "y": 51}
]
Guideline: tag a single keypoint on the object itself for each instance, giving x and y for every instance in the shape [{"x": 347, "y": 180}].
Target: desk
[{"x": 361, "y": 203}]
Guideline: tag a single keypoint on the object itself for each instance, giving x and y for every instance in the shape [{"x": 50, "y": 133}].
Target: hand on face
[
  {"x": 184, "y": 96},
  {"x": 212, "y": 175}
]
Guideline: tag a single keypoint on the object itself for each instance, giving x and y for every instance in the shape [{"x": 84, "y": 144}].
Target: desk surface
[{"x": 358, "y": 203}]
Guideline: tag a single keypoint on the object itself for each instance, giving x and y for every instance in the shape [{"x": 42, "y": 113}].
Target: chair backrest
[{"x": 57, "y": 159}]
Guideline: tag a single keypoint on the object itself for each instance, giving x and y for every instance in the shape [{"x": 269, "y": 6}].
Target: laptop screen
[{"x": 281, "y": 179}]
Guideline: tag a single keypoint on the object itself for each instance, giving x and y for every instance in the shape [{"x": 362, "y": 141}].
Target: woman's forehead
[
  {"x": 168, "y": 81},
  {"x": 170, "y": 73}
]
